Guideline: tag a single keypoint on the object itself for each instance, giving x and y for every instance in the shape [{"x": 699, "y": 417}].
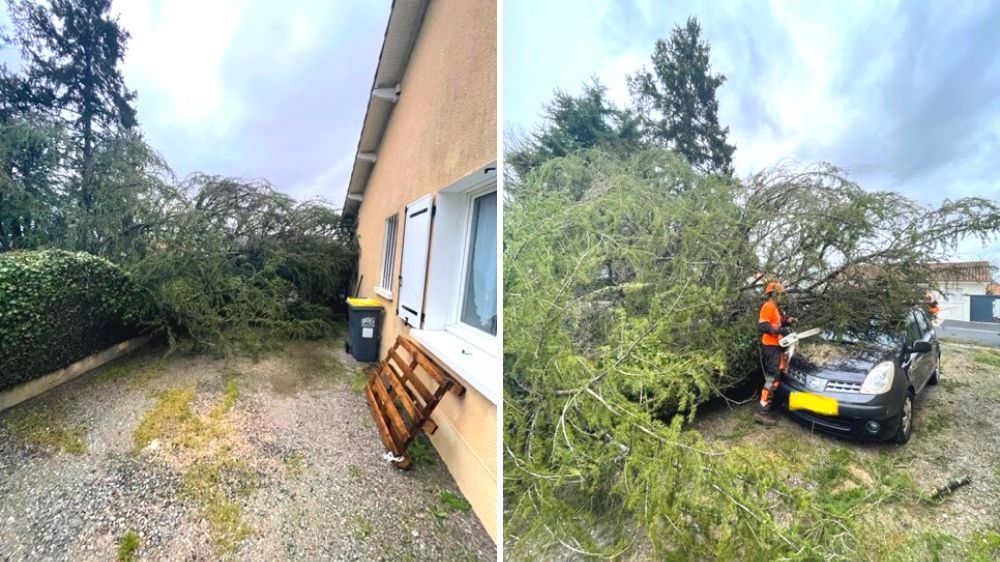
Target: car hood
[{"x": 846, "y": 361}]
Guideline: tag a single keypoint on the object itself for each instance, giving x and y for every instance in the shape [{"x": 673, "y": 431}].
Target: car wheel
[
  {"x": 936, "y": 375},
  {"x": 905, "y": 420}
]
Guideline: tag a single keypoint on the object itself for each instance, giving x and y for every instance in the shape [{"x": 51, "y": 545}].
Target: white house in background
[{"x": 957, "y": 283}]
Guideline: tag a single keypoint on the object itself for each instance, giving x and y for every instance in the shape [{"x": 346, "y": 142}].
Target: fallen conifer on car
[{"x": 631, "y": 288}]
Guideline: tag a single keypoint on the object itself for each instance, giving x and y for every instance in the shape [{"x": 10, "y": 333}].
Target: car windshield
[{"x": 881, "y": 338}]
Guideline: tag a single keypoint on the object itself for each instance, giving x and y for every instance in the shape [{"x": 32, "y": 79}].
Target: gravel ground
[{"x": 301, "y": 466}]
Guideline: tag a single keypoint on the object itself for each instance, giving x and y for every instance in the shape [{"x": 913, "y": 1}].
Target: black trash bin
[{"x": 364, "y": 324}]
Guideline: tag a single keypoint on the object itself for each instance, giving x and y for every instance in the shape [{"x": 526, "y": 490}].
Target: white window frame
[
  {"x": 471, "y": 334},
  {"x": 389, "y": 242},
  {"x": 468, "y": 353}
]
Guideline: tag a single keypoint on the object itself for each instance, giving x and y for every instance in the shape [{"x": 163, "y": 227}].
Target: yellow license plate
[{"x": 818, "y": 404}]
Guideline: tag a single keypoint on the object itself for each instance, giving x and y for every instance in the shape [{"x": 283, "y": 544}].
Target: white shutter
[{"x": 413, "y": 269}]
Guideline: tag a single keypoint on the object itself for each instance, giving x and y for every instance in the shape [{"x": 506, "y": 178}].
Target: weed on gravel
[
  {"x": 358, "y": 381},
  {"x": 296, "y": 463},
  {"x": 362, "y": 527},
  {"x": 454, "y": 502},
  {"x": 216, "y": 485},
  {"x": 422, "y": 452},
  {"x": 128, "y": 545},
  {"x": 935, "y": 423},
  {"x": 143, "y": 377},
  {"x": 449, "y": 502},
  {"x": 215, "y": 482},
  {"x": 46, "y": 428},
  {"x": 130, "y": 368},
  {"x": 168, "y": 417},
  {"x": 114, "y": 371},
  {"x": 228, "y": 399}
]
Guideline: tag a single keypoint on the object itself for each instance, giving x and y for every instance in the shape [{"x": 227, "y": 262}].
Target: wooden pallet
[{"x": 400, "y": 401}]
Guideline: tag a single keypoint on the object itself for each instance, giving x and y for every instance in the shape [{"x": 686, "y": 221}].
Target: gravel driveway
[{"x": 199, "y": 458}]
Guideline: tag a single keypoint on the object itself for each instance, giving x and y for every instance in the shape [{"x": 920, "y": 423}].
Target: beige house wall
[{"x": 442, "y": 129}]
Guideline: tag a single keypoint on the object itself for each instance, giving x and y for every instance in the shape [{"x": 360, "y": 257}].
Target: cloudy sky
[
  {"x": 904, "y": 95},
  {"x": 275, "y": 90}
]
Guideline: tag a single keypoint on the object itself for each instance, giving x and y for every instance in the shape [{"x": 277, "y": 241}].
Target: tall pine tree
[
  {"x": 588, "y": 120},
  {"x": 678, "y": 104},
  {"x": 72, "y": 51}
]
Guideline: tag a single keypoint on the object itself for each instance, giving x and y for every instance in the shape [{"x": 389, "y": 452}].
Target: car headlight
[{"x": 879, "y": 379}]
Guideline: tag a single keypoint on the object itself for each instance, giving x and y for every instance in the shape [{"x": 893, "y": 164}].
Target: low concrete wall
[{"x": 27, "y": 390}]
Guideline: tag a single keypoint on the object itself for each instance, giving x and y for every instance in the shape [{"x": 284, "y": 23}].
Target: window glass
[
  {"x": 912, "y": 331},
  {"x": 922, "y": 323},
  {"x": 388, "y": 254},
  {"x": 479, "y": 302}
]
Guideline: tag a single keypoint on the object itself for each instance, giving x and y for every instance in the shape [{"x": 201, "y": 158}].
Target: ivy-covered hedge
[{"x": 57, "y": 307}]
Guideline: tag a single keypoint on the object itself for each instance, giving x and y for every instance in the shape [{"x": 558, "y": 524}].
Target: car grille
[
  {"x": 843, "y": 386},
  {"x": 831, "y": 385}
]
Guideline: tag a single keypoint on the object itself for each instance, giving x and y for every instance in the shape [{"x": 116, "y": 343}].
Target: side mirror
[{"x": 920, "y": 347}]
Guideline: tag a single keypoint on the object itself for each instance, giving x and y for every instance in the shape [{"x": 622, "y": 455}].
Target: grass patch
[
  {"x": 454, "y": 502},
  {"x": 991, "y": 358},
  {"x": 355, "y": 472},
  {"x": 952, "y": 384},
  {"x": 296, "y": 463},
  {"x": 984, "y": 545},
  {"x": 231, "y": 476},
  {"x": 448, "y": 503},
  {"x": 46, "y": 428},
  {"x": 169, "y": 417},
  {"x": 129, "y": 368},
  {"x": 143, "y": 377},
  {"x": 936, "y": 423},
  {"x": 228, "y": 398},
  {"x": 114, "y": 371},
  {"x": 127, "y": 546},
  {"x": 422, "y": 452},
  {"x": 228, "y": 527},
  {"x": 736, "y": 432},
  {"x": 172, "y": 419},
  {"x": 216, "y": 482},
  {"x": 216, "y": 485},
  {"x": 363, "y": 527},
  {"x": 358, "y": 381}
]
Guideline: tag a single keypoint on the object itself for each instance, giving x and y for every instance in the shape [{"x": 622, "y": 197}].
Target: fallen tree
[
  {"x": 234, "y": 264},
  {"x": 631, "y": 287}
]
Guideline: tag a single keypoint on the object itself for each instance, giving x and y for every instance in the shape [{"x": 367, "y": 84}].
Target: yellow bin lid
[{"x": 359, "y": 302}]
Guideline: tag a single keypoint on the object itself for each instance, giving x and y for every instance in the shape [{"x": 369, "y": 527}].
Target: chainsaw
[
  {"x": 794, "y": 337},
  {"x": 788, "y": 342}
]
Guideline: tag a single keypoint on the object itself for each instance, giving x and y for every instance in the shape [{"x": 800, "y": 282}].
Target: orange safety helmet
[{"x": 774, "y": 286}]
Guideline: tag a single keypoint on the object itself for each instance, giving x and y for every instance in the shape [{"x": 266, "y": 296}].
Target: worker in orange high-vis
[
  {"x": 932, "y": 305},
  {"x": 771, "y": 325}
]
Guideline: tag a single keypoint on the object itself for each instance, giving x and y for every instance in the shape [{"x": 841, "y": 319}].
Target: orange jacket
[{"x": 769, "y": 313}]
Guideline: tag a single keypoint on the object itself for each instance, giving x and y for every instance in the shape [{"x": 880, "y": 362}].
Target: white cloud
[
  {"x": 177, "y": 51},
  {"x": 329, "y": 185}
]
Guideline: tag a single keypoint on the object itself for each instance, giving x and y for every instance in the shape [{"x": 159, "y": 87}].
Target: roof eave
[{"x": 401, "y": 33}]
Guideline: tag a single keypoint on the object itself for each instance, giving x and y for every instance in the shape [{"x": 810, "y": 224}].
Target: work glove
[{"x": 785, "y": 330}]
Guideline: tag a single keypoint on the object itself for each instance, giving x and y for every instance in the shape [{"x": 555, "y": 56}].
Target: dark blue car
[{"x": 863, "y": 389}]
